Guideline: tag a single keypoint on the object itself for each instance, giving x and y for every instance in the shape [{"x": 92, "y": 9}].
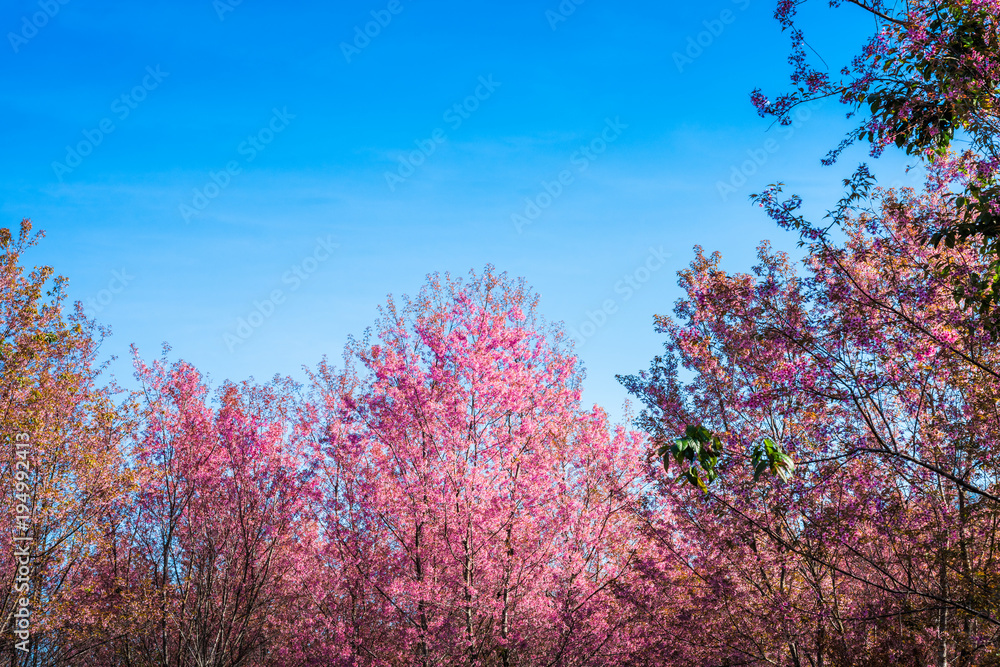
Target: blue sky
[{"x": 187, "y": 159}]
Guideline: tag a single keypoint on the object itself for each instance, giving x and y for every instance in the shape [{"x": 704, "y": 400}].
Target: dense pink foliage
[
  {"x": 881, "y": 548},
  {"x": 206, "y": 565},
  {"x": 443, "y": 498},
  {"x": 475, "y": 514}
]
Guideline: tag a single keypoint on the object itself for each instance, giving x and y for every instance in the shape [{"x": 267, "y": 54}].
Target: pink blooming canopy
[{"x": 815, "y": 481}]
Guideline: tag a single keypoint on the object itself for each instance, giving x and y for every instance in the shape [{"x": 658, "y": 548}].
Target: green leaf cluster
[
  {"x": 770, "y": 457},
  {"x": 697, "y": 455}
]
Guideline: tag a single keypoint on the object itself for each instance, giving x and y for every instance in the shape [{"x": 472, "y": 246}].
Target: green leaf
[
  {"x": 700, "y": 448},
  {"x": 769, "y": 456}
]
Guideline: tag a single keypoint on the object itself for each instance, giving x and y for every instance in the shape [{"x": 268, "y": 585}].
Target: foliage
[
  {"x": 475, "y": 512},
  {"x": 884, "y": 391},
  {"x": 445, "y": 498},
  {"x": 69, "y": 472},
  {"x": 928, "y": 76},
  {"x": 697, "y": 446}
]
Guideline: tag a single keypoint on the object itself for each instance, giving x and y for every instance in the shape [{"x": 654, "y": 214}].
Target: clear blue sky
[{"x": 118, "y": 115}]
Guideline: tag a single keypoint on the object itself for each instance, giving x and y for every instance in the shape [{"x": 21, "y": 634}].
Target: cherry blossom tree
[
  {"x": 62, "y": 471},
  {"x": 211, "y": 564},
  {"x": 879, "y": 547},
  {"x": 475, "y": 513},
  {"x": 928, "y": 75}
]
